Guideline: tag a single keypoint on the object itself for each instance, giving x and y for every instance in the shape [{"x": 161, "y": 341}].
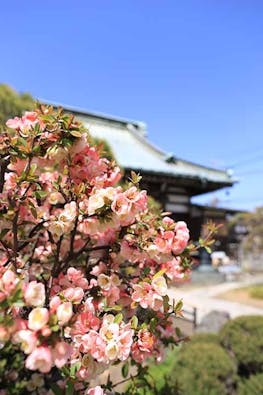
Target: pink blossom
[
  {"x": 145, "y": 295},
  {"x": 112, "y": 350},
  {"x": 104, "y": 282},
  {"x": 27, "y": 340},
  {"x": 64, "y": 313},
  {"x": 74, "y": 275},
  {"x": 84, "y": 322},
  {"x": 61, "y": 353},
  {"x": 181, "y": 237},
  {"x": 98, "y": 269},
  {"x": 25, "y": 123},
  {"x": 109, "y": 331},
  {"x": 95, "y": 345},
  {"x": 74, "y": 295},
  {"x": 9, "y": 281},
  {"x": 14, "y": 123},
  {"x": 38, "y": 318},
  {"x": 156, "y": 302},
  {"x": 40, "y": 359},
  {"x": 173, "y": 269},
  {"x": 112, "y": 177},
  {"x": 164, "y": 242},
  {"x": 96, "y": 202},
  {"x": 34, "y": 294},
  {"x": 112, "y": 295},
  {"x": 159, "y": 285},
  {"x": 95, "y": 391},
  {"x": 55, "y": 301},
  {"x": 55, "y": 198},
  {"x": 125, "y": 341},
  {"x": 87, "y": 165},
  {"x": 142, "y": 294},
  {"x": 138, "y": 355},
  {"x": 79, "y": 144},
  {"x": 145, "y": 340},
  {"x": 46, "y": 331},
  {"x": 121, "y": 205}
]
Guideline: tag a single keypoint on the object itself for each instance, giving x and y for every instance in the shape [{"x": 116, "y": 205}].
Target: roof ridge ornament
[
  {"x": 170, "y": 158},
  {"x": 139, "y": 127}
]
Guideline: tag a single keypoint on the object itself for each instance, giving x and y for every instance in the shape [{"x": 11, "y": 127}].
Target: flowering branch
[{"x": 84, "y": 263}]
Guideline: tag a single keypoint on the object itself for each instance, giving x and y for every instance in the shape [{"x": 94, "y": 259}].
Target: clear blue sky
[{"x": 192, "y": 70}]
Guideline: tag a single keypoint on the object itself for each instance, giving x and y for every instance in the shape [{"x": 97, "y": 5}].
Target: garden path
[{"x": 206, "y": 299}]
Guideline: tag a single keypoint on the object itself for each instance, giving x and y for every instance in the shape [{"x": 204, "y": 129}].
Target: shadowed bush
[{"x": 243, "y": 339}]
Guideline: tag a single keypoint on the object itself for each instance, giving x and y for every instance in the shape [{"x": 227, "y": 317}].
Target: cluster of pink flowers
[
  {"x": 82, "y": 261},
  {"x": 149, "y": 295}
]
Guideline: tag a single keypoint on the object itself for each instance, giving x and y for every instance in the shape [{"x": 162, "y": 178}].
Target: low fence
[
  {"x": 188, "y": 323},
  {"x": 190, "y": 314}
]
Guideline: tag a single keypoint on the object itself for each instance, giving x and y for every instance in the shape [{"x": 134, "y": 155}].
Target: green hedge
[
  {"x": 203, "y": 338},
  {"x": 204, "y": 369},
  {"x": 256, "y": 291},
  {"x": 243, "y": 339},
  {"x": 251, "y": 386}
]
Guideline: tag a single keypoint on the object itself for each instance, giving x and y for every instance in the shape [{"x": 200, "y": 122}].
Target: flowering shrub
[{"x": 84, "y": 264}]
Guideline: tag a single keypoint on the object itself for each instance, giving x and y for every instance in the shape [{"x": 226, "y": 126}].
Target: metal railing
[{"x": 190, "y": 315}]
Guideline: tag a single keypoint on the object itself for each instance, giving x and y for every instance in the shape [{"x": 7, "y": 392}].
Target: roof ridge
[{"x": 79, "y": 110}]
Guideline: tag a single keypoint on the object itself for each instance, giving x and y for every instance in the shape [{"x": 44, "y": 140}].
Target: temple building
[{"x": 170, "y": 180}]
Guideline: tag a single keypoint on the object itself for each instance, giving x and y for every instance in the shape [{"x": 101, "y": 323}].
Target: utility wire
[
  {"x": 245, "y": 161},
  {"x": 245, "y": 151},
  {"x": 249, "y": 172}
]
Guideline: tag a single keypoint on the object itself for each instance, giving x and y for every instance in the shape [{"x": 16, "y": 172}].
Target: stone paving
[{"x": 205, "y": 298}]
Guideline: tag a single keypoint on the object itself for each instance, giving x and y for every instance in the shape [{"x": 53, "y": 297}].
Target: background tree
[
  {"x": 253, "y": 223},
  {"x": 13, "y": 103}
]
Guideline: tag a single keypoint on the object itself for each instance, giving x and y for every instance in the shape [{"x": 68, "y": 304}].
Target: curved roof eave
[{"x": 133, "y": 151}]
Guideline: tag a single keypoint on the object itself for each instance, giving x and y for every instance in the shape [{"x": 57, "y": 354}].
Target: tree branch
[{"x": 3, "y": 167}]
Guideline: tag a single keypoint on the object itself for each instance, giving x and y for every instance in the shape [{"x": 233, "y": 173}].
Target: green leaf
[
  {"x": 146, "y": 271},
  {"x": 113, "y": 308},
  {"x": 153, "y": 324},
  {"x": 135, "y": 178},
  {"x": 33, "y": 212},
  {"x": 166, "y": 303},
  {"x": 159, "y": 274},
  {"x": 21, "y": 141},
  {"x": 178, "y": 332},
  {"x": 144, "y": 325},
  {"x": 17, "y": 296},
  {"x": 208, "y": 249},
  {"x": 55, "y": 328},
  {"x": 75, "y": 133},
  {"x": 134, "y": 322},
  {"x": 125, "y": 370},
  {"x": 33, "y": 168},
  {"x": 3, "y": 233},
  {"x": 69, "y": 388},
  {"x": 178, "y": 306},
  {"x": 74, "y": 368},
  {"x": 40, "y": 194},
  {"x": 118, "y": 318},
  {"x": 56, "y": 389}
]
